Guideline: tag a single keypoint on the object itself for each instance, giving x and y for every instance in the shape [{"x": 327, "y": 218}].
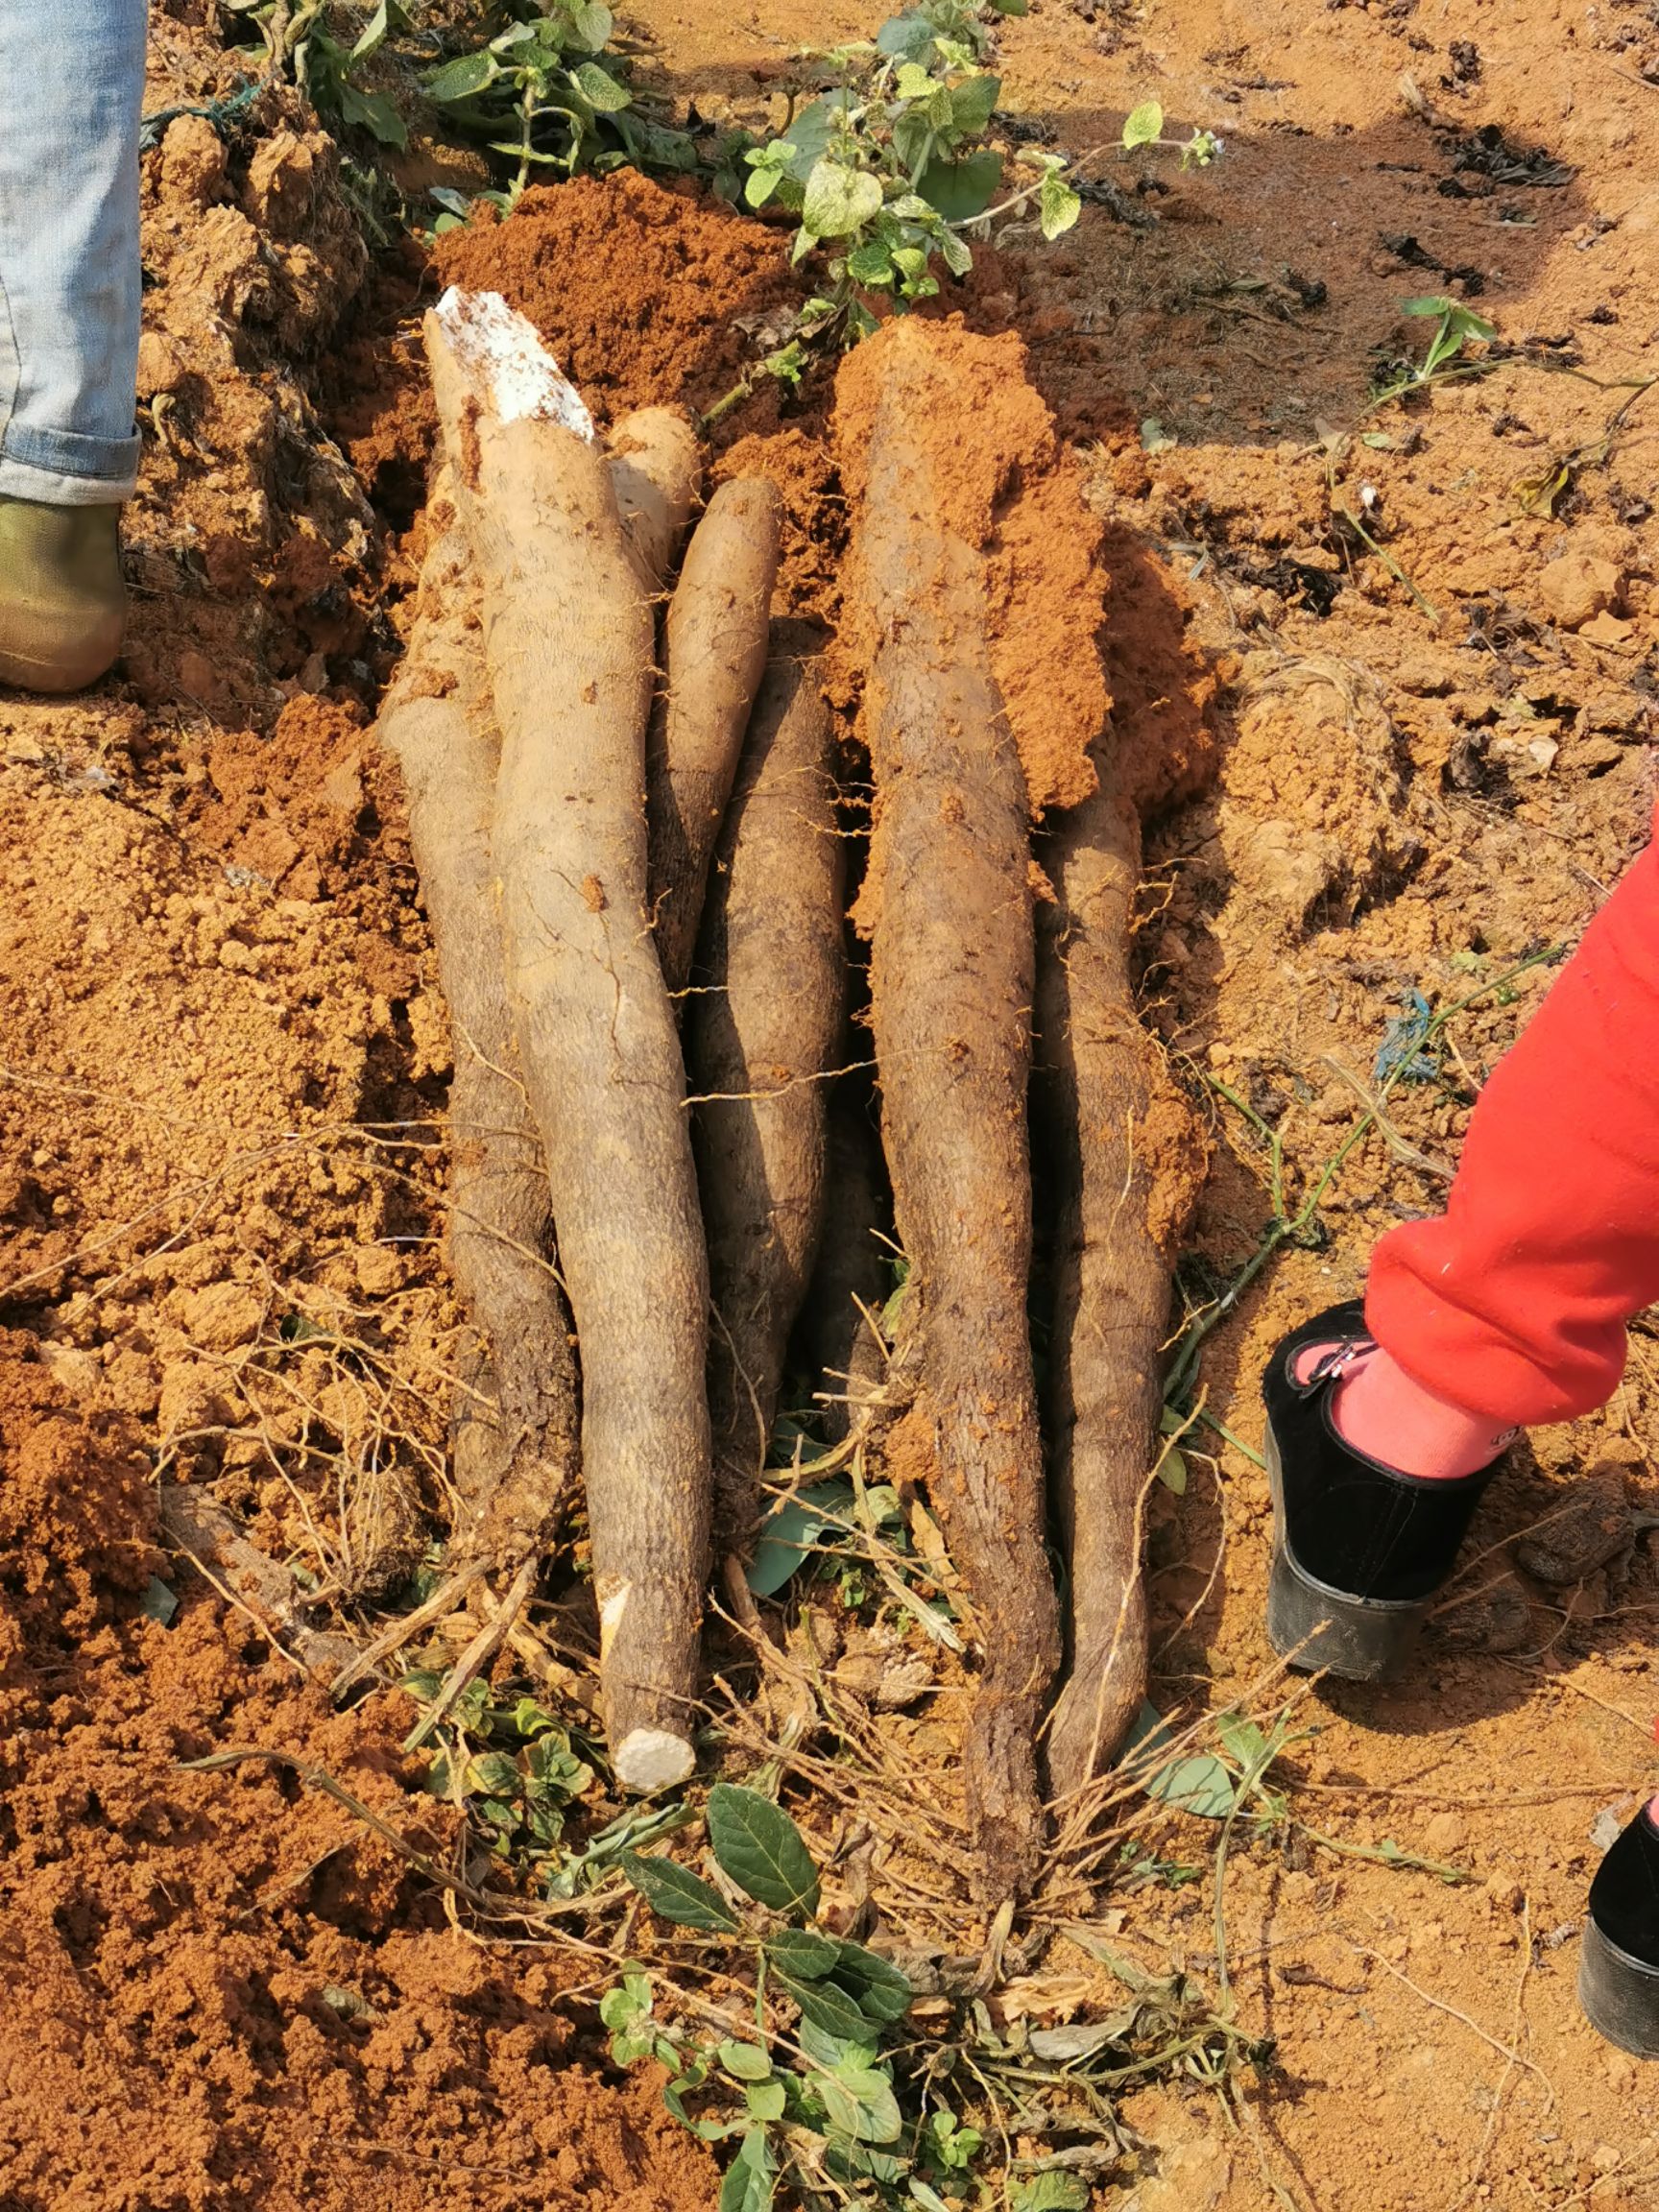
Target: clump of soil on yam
[
  {"x": 1005, "y": 489},
  {"x": 645, "y": 296}
]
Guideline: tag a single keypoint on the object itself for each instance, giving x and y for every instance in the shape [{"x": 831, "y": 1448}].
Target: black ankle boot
[
  {"x": 1619, "y": 1964},
  {"x": 1360, "y": 1548}
]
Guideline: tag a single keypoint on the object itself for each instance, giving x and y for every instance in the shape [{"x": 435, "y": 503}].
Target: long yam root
[
  {"x": 568, "y": 637},
  {"x": 948, "y": 904},
  {"x": 763, "y": 1030},
  {"x": 716, "y": 638},
  {"x": 1128, "y": 1161},
  {"x": 514, "y": 1420},
  {"x": 654, "y": 471}
]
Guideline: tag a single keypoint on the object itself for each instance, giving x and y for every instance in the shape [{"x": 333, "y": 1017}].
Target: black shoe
[
  {"x": 1358, "y": 1548},
  {"x": 1619, "y": 1964}
]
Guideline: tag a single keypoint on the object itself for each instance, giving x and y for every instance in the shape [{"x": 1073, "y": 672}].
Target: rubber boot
[{"x": 62, "y": 600}]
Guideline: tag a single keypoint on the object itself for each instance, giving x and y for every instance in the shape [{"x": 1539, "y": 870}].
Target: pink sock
[{"x": 1383, "y": 1412}]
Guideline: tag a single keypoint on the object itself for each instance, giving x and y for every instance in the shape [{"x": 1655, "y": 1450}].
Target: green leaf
[
  {"x": 491, "y": 1774},
  {"x": 373, "y": 112},
  {"x": 791, "y": 1528},
  {"x": 910, "y": 35},
  {"x": 883, "y": 1994},
  {"x": 373, "y": 33},
  {"x": 766, "y": 2100},
  {"x": 1200, "y": 1785},
  {"x": 1431, "y": 304},
  {"x": 628, "y": 2001},
  {"x": 811, "y": 132},
  {"x": 1172, "y": 1473},
  {"x": 750, "y": 2178},
  {"x": 799, "y": 1951},
  {"x": 763, "y": 1850},
  {"x": 1242, "y": 1739},
  {"x": 870, "y": 264},
  {"x": 1145, "y": 124},
  {"x": 159, "y": 1602},
  {"x": 962, "y": 189},
  {"x": 972, "y": 102},
  {"x": 859, "y": 2100},
  {"x": 929, "y": 2199},
  {"x": 826, "y": 2006},
  {"x": 1154, "y": 437},
  {"x": 1051, "y": 2193},
  {"x": 1058, "y": 207},
  {"x": 676, "y": 1895},
  {"x": 831, "y": 2050},
  {"x": 462, "y": 79},
  {"x": 914, "y": 83},
  {"x": 840, "y": 201},
  {"x": 1009, "y": 6},
  {"x": 958, "y": 253},
  {"x": 600, "y": 88},
  {"x": 591, "y": 26},
  {"x": 745, "y": 2061},
  {"x": 758, "y": 187}
]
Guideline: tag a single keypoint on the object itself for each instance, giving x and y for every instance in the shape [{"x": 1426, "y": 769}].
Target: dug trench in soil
[{"x": 1384, "y": 821}]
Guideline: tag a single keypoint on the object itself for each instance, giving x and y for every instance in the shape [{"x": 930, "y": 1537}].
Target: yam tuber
[
  {"x": 763, "y": 1029},
  {"x": 948, "y": 904},
  {"x": 1127, "y": 1162},
  {"x": 715, "y": 640},
  {"x": 568, "y": 639},
  {"x": 514, "y": 1421}
]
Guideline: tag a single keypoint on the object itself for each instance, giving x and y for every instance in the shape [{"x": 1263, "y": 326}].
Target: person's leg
[
  {"x": 1509, "y": 1310},
  {"x": 69, "y": 325},
  {"x": 69, "y": 275},
  {"x": 1512, "y": 1305}
]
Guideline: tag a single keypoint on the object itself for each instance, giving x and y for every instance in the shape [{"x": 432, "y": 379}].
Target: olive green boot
[{"x": 62, "y": 600}]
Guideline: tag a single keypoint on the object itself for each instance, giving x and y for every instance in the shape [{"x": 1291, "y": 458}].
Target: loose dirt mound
[{"x": 222, "y": 1989}]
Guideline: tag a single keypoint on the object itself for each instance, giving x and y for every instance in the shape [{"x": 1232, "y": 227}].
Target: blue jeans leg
[{"x": 72, "y": 78}]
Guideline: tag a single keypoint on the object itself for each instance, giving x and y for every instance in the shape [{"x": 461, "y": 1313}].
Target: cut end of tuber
[
  {"x": 650, "y": 1759},
  {"x": 502, "y": 354}
]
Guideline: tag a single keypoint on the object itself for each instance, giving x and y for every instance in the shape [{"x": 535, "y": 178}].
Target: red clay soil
[{"x": 214, "y": 976}]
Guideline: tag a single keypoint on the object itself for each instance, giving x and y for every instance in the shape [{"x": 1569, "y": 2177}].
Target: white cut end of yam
[
  {"x": 613, "y": 1593},
  {"x": 502, "y": 354},
  {"x": 651, "y": 1759}
]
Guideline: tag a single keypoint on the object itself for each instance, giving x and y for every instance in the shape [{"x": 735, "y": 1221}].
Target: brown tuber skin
[
  {"x": 949, "y": 906},
  {"x": 569, "y": 632},
  {"x": 655, "y": 471},
  {"x": 716, "y": 649},
  {"x": 1128, "y": 1162},
  {"x": 514, "y": 1422},
  {"x": 765, "y": 1025}
]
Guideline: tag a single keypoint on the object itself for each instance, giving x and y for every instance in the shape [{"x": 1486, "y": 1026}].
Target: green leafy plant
[
  {"x": 817, "y": 2096},
  {"x": 883, "y": 170},
  {"x": 324, "y": 61},
  {"x": 1144, "y": 127},
  {"x": 1454, "y": 326},
  {"x": 514, "y": 1767},
  {"x": 545, "y": 94}
]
